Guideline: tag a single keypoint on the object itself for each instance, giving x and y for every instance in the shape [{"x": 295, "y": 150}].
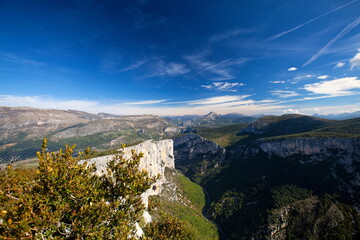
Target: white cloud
[
  {"x": 355, "y": 61},
  {"x": 217, "y": 100},
  {"x": 323, "y": 77},
  {"x": 146, "y": 102},
  {"x": 339, "y": 65},
  {"x": 223, "y": 86},
  {"x": 291, "y": 111},
  {"x": 337, "y": 87},
  {"x": 44, "y": 102},
  {"x": 303, "y": 77},
  {"x": 292, "y": 69},
  {"x": 284, "y": 94},
  {"x": 222, "y": 104},
  {"x": 334, "y": 109},
  {"x": 277, "y": 81}
]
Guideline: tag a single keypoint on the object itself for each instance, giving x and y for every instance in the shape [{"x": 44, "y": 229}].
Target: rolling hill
[{"x": 22, "y": 130}]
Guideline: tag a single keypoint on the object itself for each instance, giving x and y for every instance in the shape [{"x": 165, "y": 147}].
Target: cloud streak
[
  {"x": 284, "y": 94},
  {"x": 223, "y": 86},
  {"x": 220, "y": 104},
  {"x": 135, "y": 65},
  {"x": 217, "y": 100},
  {"x": 229, "y": 34},
  {"x": 346, "y": 30},
  {"x": 221, "y": 69},
  {"x": 310, "y": 21}
]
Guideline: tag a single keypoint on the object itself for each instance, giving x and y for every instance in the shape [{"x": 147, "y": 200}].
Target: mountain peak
[{"x": 210, "y": 116}]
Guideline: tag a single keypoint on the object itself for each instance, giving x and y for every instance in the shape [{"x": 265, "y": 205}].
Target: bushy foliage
[
  {"x": 168, "y": 228},
  {"x": 65, "y": 198},
  {"x": 187, "y": 207},
  {"x": 287, "y": 194},
  {"x": 193, "y": 192},
  {"x": 226, "y": 207}
]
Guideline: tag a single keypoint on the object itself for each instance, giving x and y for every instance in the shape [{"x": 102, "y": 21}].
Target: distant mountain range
[
  {"x": 22, "y": 129},
  {"x": 341, "y": 116},
  {"x": 210, "y": 119}
]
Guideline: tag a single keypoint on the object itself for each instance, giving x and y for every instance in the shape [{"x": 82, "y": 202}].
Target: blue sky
[{"x": 181, "y": 57}]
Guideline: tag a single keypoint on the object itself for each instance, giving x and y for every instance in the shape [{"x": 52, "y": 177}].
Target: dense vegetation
[
  {"x": 250, "y": 195},
  {"x": 186, "y": 205},
  {"x": 224, "y": 136},
  {"x": 297, "y": 126},
  {"x": 64, "y": 198},
  {"x": 258, "y": 196}
]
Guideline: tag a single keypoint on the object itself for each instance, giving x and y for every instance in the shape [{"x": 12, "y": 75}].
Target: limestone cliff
[
  {"x": 158, "y": 155},
  {"x": 322, "y": 147},
  {"x": 194, "y": 154}
]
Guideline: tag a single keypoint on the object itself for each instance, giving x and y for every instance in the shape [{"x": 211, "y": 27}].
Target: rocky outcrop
[
  {"x": 322, "y": 147},
  {"x": 158, "y": 155},
  {"x": 197, "y": 154}
]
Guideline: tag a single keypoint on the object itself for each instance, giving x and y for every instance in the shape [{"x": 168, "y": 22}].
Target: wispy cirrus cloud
[
  {"x": 310, "y": 21},
  {"x": 334, "y": 88},
  {"x": 146, "y": 102},
  {"x": 220, "y": 104},
  {"x": 303, "y": 77},
  {"x": 223, "y": 86},
  {"x": 221, "y": 69},
  {"x": 284, "y": 93},
  {"x": 229, "y": 34},
  {"x": 323, "y": 50},
  {"x": 162, "y": 68},
  {"x": 111, "y": 62},
  {"x": 217, "y": 100},
  {"x": 20, "y": 60},
  {"x": 135, "y": 65}
]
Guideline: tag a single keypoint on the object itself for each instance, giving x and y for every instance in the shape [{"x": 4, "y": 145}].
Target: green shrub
[{"x": 65, "y": 199}]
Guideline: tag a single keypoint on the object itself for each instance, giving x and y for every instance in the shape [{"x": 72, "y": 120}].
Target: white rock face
[
  {"x": 157, "y": 156},
  {"x": 310, "y": 146}
]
